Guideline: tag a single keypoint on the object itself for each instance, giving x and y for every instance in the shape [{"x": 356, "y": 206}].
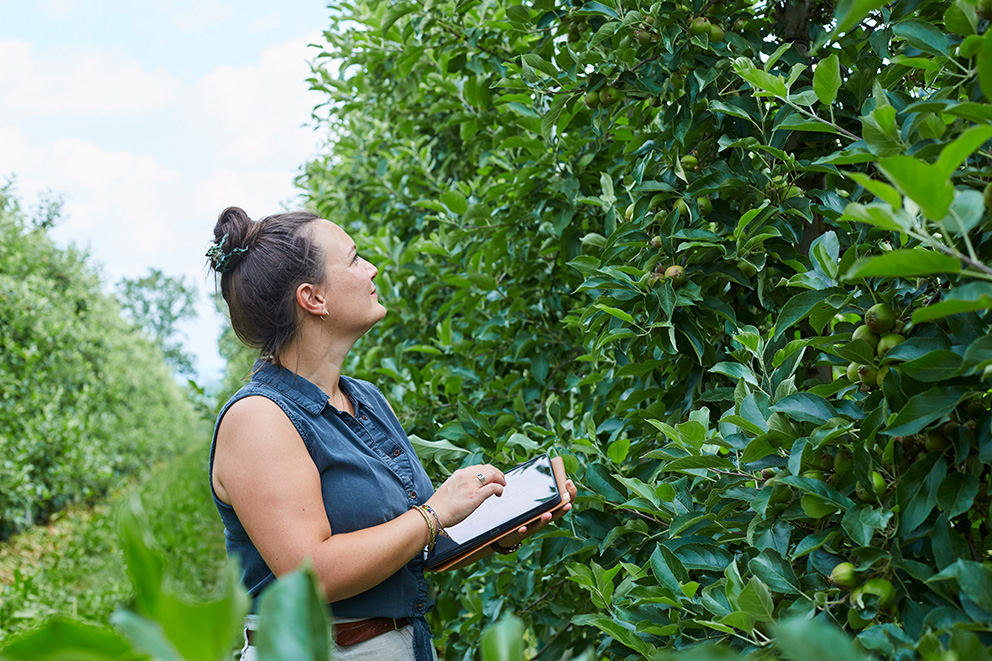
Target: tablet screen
[{"x": 530, "y": 489}]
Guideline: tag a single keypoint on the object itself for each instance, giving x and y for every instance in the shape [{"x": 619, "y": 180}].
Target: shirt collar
[{"x": 299, "y": 389}]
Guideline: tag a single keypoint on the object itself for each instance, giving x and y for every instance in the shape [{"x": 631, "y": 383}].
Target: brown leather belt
[{"x": 352, "y": 633}]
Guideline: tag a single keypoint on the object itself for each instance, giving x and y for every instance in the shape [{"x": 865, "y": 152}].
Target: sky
[{"x": 149, "y": 118}]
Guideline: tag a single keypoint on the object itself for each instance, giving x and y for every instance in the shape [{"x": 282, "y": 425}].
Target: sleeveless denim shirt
[{"x": 369, "y": 474}]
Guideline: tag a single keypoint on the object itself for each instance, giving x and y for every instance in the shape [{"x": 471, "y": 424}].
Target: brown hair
[{"x": 265, "y": 262}]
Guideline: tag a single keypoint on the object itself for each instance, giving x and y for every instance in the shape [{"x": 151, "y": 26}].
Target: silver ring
[{"x": 482, "y": 478}]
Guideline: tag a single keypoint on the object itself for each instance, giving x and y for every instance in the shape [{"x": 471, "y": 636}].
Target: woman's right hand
[{"x": 464, "y": 491}]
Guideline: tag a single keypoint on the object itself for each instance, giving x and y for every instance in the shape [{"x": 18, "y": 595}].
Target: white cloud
[
  {"x": 74, "y": 84},
  {"x": 202, "y": 15},
  {"x": 264, "y": 23},
  {"x": 252, "y": 115}
]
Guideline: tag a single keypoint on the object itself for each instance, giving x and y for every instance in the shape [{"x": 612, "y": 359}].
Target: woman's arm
[{"x": 263, "y": 470}]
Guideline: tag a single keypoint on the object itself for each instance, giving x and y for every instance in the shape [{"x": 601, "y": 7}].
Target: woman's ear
[{"x": 309, "y": 300}]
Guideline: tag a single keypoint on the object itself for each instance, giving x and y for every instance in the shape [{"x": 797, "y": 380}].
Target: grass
[{"x": 74, "y": 566}]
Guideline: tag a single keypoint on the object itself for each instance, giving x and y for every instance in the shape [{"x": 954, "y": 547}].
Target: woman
[{"x": 309, "y": 464}]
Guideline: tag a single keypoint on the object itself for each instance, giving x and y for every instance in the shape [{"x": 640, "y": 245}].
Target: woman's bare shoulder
[{"x": 255, "y": 416}]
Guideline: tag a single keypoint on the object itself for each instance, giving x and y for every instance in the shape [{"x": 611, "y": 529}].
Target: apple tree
[{"x": 731, "y": 260}]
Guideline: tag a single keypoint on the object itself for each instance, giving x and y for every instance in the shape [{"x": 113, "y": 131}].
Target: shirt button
[
  {"x": 420, "y": 606},
  {"x": 396, "y": 452},
  {"x": 413, "y": 494},
  {"x": 365, "y": 417}
]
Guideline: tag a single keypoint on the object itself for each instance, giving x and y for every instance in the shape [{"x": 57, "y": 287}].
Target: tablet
[{"x": 532, "y": 488}]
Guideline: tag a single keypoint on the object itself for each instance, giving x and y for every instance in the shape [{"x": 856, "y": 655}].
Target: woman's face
[{"x": 348, "y": 288}]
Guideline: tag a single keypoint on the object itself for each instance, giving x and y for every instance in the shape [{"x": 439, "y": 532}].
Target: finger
[
  {"x": 491, "y": 489},
  {"x": 493, "y": 474}
]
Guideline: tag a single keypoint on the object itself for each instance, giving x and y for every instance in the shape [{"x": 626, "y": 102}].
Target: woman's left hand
[{"x": 524, "y": 532}]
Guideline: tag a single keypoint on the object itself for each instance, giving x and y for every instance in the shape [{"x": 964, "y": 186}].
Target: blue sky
[{"x": 148, "y": 118}]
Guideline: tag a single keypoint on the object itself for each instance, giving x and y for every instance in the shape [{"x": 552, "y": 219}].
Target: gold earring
[{"x": 323, "y": 317}]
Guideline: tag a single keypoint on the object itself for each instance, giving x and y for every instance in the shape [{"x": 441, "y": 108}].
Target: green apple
[
  {"x": 862, "y": 332},
  {"x": 882, "y": 589},
  {"x": 855, "y": 621},
  {"x": 844, "y": 576},
  {"x": 591, "y": 99},
  {"x": 700, "y": 25},
  {"x": 716, "y": 33},
  {"x": 843, "y": 461},
  {"x": 852, "y": 372},
  {"x": 880, "y": 318},
  {"x": 868, "y": 375},
  {"x": 689, "y": 162},
  {"x": 676, "y": 274},
  {"x": 888, "y": 342}
]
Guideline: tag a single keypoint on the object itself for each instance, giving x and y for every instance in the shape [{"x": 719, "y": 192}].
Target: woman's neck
[{"x": 320, "y": 363}]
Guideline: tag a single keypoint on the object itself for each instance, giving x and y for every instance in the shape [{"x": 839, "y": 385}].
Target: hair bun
[{"x": 231, "y": 237}]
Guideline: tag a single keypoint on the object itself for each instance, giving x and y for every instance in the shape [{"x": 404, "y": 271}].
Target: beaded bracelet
[
  {"x": 440, "y": 528},
  {"x": 430, "y": 526}
]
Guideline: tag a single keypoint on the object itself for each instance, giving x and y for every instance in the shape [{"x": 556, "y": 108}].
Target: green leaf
[
  {"x": 619, "y": 632},
  {"x": 933, "y": 366},
  {"x": 504, "y": 641},
  {"x": 756, "y": 601},
  {"x": 615, "y": 312},
  {"x": 957, "y": 493},
  {"x": 973, "y": 578},
  {"x": 826, "y": 79},
  {"x": 966, "y": 212},
  {"x": 960, "y": 18},
  {"x": 922, "y": 36},
  {"x": 146, "y": 635},
  {"x": 879, "y": 215},
  {"x": 394, "y": 14},
  {"x": 735, "y": 371},
  {"x": 903, "y": 263},
  {"x": 668, "y": 569},
  {"x": 775, "y": 572},
  {"x": 924, "y": 184},
  {"x": 850, "y": 12},
  {"x": 916, "y": 492},
  {"x": 518, "y": 14},
  {"x": 292, "y": 619},
  {"x": 535, "y": 61},
  {"x": 819, "y": 488},
  {"x": 881, "y": 133},
  {"x": 966, "y": 144},
  {"x": 798, "y": 308},
  {"x": 694, "y": 463},
  {"x": 62, "y": 639},
  {"x": 797, "y": 122},
  {"x": 733, "y": 111},
  {"x": 551, "y": 118},
  {"x": 764, "y": 83},
  {"x": 800, "y": 639},
  {"x": 984, "y": 61},
  {"x": 805, "y": 407},
  {"x": 879, "y": 188},
  {"x": 145, "y": 566},
  {"x": 924, "y": 408},
  {"x": 966, "y": 298}
]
